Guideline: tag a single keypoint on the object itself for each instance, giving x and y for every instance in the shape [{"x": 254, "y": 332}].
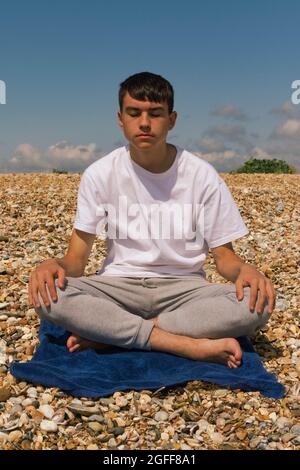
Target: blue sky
[{"x": 231, "y": 64}]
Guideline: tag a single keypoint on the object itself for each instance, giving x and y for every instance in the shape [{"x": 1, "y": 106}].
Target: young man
[{"x": 161, "y": 208}]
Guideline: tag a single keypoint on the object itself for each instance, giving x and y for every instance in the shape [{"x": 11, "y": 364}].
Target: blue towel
[{"x": 91, "y": 373}]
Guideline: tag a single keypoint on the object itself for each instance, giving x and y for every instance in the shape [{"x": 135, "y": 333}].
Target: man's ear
[
  {"x": 120, "y": 122},
  {"x": 172, "y": 118}
]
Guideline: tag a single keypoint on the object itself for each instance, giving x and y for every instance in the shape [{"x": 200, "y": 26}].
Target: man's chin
[{"x": 144, "y": 144}]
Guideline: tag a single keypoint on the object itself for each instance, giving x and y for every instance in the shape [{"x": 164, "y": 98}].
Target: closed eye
[{"x": 151, "y": 114}]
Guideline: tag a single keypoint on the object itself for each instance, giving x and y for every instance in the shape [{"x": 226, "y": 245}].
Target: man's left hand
[{"x": 249, "y": 276}]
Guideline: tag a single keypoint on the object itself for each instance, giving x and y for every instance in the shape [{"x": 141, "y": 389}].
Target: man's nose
[{"x": 144, "y": 120}]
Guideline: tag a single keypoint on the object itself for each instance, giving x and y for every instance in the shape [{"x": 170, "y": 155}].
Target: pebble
[
  {"x": 89, "y": 402},
  {"x": 282, "y": 305},
  {"x": 262, "y": 446},
  {"x": 83, "y": 410},
  {"x": 185, "y": 447},
  {"x": 3, "y": 437},
  {"x": 106, "y": 401},
  {"x": 98, "y": 418},
  {"x": 287, "y": 437},
  {"x": 220, "y": 422},
  {"x": 59, "y": 416},
  {"x": 16, "y": 409},
  {"x": 283, "y": 422},
  {"x": 254, "y": 442},
  {"x": 24, "y": 420},
  {"x": 27, "y": 402},
  {"x": 92, "y": 447},
  {"x": 95, "y": 426},
  {"x": 118, "y": 431},
  {"x": 120, "y": 422},
  {"x": 221, "y": 393},
  {"x": 3, "y": 352},
  {"x": 32, "y": 392},
  {"x": 47, "y": 411},
  {"x": 203, "y": 425},
  {"x": 4, "y": 304},
  {"x": 274, "y": 437},
  {"x": 112, "y": 443},
  {"x": 279, "y": 207},
  {"x": 15, "y": 436},
  {"x": 161, "y": 416},
  {"x": 217, "y": 437},
  {"x": 241, "y": 435},
  {"x": 5, "y": 393},
  {"x": 295, "y": 429},
  {"x": 48, "y": 426},
  {"x": 26, "y": 445},
  {"x": 46, "y": 398},
  {"x": 104, "y": 437},
  {"x": 121, "y": 402}
]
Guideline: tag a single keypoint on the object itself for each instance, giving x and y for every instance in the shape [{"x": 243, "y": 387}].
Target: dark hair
[{"x": 145, "y": 86}]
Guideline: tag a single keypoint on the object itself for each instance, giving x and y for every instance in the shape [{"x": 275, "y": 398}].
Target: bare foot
[
  {"x": 77, "y": 343},
  {"x": 224, "y": 351}
]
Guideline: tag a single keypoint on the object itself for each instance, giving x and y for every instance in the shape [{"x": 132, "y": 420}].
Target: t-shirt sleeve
[
  {"x": 90, "y": 213},
  {"x": 222, "y": 220}
]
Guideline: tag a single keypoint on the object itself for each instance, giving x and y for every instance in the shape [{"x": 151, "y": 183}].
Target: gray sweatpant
[{"x": 118, "y": 310}]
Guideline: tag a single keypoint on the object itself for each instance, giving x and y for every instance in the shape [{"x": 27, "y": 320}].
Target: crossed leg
[
  {"x": 187, "y": 331},
  {"x": 225, "y": 350}
]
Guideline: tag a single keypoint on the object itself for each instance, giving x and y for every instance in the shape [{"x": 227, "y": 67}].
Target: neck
[{"x": 157, "y": 159}]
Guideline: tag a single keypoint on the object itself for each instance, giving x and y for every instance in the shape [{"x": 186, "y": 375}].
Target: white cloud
[
  {"x": 232, "y": 159},
  {"x": 288, "y": 150},
  {"x": 231, "y": 112},
  {"x": 260, "y": 154},
  {"x": 26, "y": 156},
  {"x": 283, "y": 143},
  {"x": 223, "y": 161},
  {"x": 225, "y": 146},
  {"x": 209, "y": 144},
  {"x": 72, "y": 156},
  {"x": 61, "y": 155},
  {"x": 233, "y": 135},
  {"x": 218, "y": 156},
  {"x": 286, "y": 109},
  {"x": 291, "y": 129}
]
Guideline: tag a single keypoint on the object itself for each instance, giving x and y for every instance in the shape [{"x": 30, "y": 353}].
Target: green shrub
[{"x": 265, "y": 166}]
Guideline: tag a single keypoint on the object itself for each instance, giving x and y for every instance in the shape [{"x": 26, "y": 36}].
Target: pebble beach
[{"x": 36, "y": 219}]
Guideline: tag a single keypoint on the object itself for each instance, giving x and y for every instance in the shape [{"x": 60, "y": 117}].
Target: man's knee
[
  {"x": 51, "y": 312},
  {"x": 255, "y": 321}
]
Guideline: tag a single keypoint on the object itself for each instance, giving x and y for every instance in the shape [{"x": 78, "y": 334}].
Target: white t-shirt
[{"x": 159, "y": 224}]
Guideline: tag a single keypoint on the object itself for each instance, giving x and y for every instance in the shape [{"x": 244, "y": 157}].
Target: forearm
[
  {"x": 72, "y": 267},
  {"x": 230, "y": 266}
]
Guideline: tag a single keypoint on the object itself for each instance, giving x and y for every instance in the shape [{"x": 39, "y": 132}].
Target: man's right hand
[{"x": 43, "y": 275}]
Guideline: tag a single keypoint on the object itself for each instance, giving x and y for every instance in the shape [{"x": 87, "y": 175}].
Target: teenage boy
[{"x": 161, "y": 209}]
